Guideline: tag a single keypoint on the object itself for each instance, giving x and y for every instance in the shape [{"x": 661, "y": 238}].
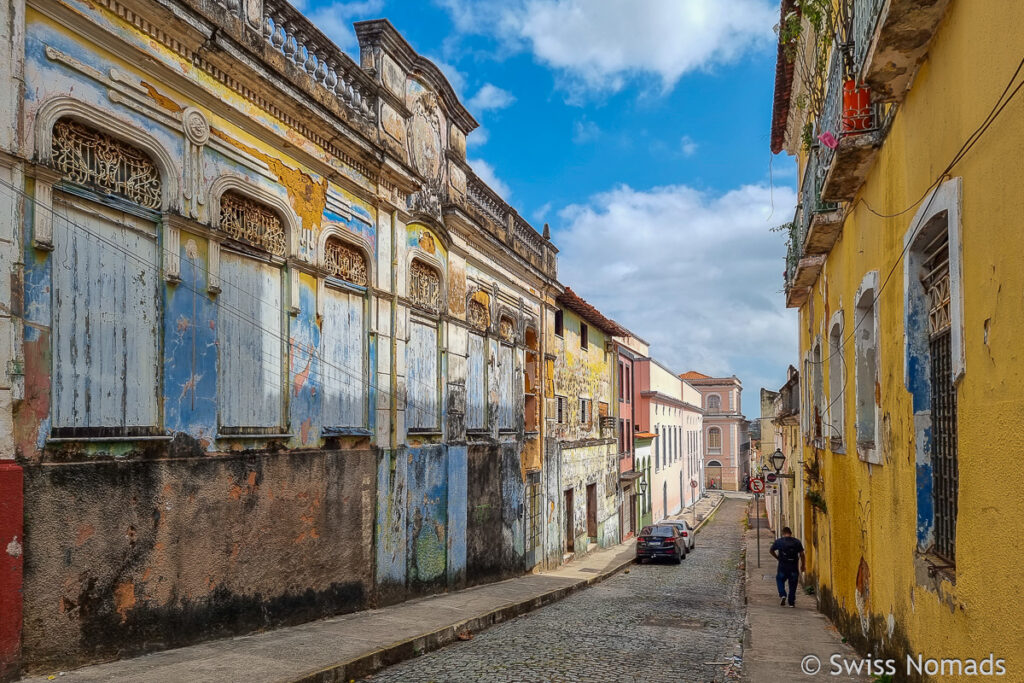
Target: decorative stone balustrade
[
  {"x": 503, "y": 222},
  {"x": 486, "y": 200},
  {"x": 287, "y": 31}
]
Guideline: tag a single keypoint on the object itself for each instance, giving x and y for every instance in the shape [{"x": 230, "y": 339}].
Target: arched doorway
[{"x": 713, "y": 474}]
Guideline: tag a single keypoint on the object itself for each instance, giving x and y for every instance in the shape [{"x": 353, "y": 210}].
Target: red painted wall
[{"x": 11, "y": 539}]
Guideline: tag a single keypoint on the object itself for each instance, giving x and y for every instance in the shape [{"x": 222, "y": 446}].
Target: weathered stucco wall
[
  {"x": 132, "y": 555},
  {"x": 277, "y": 474},
  {"x": 865, "y": 547}
]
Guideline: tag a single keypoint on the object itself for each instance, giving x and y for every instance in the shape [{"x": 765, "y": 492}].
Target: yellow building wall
[{"x": 868, "y": 536}]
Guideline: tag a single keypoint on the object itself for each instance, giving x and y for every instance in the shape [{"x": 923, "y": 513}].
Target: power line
[
  {"x": 967, "y": 145},
  {"x": 221, "y": 304}
]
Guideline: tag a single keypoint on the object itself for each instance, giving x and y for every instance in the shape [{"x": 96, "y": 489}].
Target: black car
[{"x": 660, "y": 541}]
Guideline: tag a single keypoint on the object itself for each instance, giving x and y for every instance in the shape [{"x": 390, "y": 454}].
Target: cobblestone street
[{"x": 659, "y": 622}]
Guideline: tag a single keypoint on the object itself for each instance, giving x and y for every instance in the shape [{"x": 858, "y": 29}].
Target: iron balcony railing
[
  {"x": 865, "y": 20},
  {"x": 810, "y": 189},
  {"x": 843, "y": 113},
  {"x": 793, "y": 249}
]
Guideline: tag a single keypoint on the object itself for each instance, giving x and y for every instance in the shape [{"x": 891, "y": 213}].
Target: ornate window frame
[
  {"x": 339, "y": 232},
  {"x": 104, "y": 121},
  {"x": 943, "y": 204},
  {"x": 868, "y": 287},
  {"x": 431, "y": 261},
  {"x": 718, "y": 448},
  {"x": 836, "y": 436},
  {"x": 289, "y": 220}
]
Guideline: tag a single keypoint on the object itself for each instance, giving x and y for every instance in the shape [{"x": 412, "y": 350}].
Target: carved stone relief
[
  {"x": 425, "y": 137},
  {"x": 507, "y": 330},
  {"x": 197, "y": 134}
]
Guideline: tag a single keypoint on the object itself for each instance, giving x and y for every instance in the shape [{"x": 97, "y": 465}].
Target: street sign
[
  {"x": 773, "y": 489},
  {"x": 757, "y": 485},
  {"x": 693, "y": 483},
  {"x": 771, "y": 477}
]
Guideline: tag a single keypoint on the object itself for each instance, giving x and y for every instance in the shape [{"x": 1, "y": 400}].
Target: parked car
[
  {"x": 660, "y": 540},
  {"x": 685, "y": 530}
]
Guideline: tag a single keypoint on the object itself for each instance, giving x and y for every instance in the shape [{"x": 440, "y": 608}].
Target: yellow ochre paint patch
[{"x": 307, "y": 196}]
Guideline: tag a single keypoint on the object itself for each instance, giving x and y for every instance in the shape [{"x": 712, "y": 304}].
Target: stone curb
[{"x": 372, "y": 662}]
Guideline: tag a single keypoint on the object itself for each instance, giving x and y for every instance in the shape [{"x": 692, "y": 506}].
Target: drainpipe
[{"x": 393, "y": 402}]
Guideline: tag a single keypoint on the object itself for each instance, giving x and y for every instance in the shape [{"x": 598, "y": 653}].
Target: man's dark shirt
[{"x": 788, "y": 549}]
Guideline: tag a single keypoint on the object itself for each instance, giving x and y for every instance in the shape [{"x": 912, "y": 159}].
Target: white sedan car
[{"x": 685, "y": 530}]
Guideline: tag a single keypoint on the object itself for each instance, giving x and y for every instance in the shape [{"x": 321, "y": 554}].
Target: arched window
[
  {"x": 932, "y": 301},
  {"x": 714, "y": 402},
  {"x": 343, "y": 336},
  {"x": 345, "y": 262},
  {"x": 425, "y": 286},
  {"x": 249, "y": 221},
  {"x": 92, "y": 158},
  {"x": 715, "y": 440},
  {"x": 422, "y": 392},
  {"x": 478, "y": 316},
  {"x": 713, "y": 463},
  {"x": 866, "y": 369},
  {"x": 105, "y": 292},
  {"x": 250, "y": 341},
  {"x": 836, "y": 382},
  {"x": 818, "y": 392},
  {"x": 506, "y": 374}
]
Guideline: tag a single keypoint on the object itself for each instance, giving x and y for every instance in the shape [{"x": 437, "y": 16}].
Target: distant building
[
  {"x": 630, "y": 349},
  {"x": 725, "y": 430},
  {"x": 582, "y": 429}
]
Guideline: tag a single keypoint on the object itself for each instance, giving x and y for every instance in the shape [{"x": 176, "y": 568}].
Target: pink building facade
[
  {"x": 662, "y": 409},
  {"x": 726, "y": 442}
]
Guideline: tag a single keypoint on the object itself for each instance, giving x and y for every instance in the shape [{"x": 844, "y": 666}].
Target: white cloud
[
  {"x": 687, "y": 146},
  {"x": 600, "y": 44},
  {"x": 542, "y": 212},
  {"x": 697, "y": 275},
  {"x": 490, "y": 97},
  {"x": 584, "y": 131},
  {"x": 335, "y": 19},
  {"x": 455, "y": 77},
  {"x": 478, "y": 137},
  {"x": 486, "y": 173}
]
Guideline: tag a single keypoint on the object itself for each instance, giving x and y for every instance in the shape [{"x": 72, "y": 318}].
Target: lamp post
[
  {"x": 777, "y": 460},
  {"x": 642, "y": 485}
]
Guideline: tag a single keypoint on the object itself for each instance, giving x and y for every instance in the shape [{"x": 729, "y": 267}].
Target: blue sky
[{"x": 639, "y": 130}]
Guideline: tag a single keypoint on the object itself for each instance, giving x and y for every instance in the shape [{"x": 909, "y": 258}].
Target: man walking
[{"x": 789, "y": 552}]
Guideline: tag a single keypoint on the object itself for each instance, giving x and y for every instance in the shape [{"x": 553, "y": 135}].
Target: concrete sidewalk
[
  {"x": 777, "y": 639},
  {"x": 355, "y": 645}
]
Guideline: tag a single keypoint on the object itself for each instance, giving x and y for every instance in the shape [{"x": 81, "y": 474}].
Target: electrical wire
[
  {"x": 1001, "y": 103},
  {"x": 968, "y": 144},
  {"x": 239, "y": 314}
]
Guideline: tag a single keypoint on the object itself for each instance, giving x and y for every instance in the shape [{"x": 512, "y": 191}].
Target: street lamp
[
  {"x": 778, "y": 460},
  {"x": 643, "y": 486}
]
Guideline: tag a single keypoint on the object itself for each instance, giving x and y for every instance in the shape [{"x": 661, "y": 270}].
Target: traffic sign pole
[{"x": 757, "y": 518}]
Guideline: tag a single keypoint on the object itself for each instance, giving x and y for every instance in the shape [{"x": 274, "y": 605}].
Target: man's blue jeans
[{"x": 782, "y": 578}]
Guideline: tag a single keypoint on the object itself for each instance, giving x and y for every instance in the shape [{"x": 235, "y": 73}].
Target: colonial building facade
[
  {"x": 903, "y": 248},
  {"x": 271, "y": 350},
  {"x": 582, "y": 443},
  {"x": 726, "y": 443}
]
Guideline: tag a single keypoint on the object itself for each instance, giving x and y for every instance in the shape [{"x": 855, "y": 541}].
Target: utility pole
[{"x": 757, "y": 519}]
